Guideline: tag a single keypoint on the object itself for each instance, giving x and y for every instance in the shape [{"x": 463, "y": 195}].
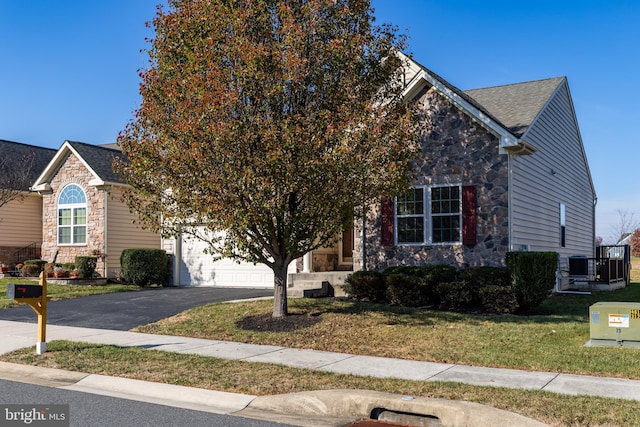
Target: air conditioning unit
[{"x": 614, "y": 324}]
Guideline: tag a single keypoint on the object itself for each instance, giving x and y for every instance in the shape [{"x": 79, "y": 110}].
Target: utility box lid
[{"x": 617, "y": 321}]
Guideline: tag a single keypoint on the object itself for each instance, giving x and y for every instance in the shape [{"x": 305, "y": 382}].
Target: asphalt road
[
  {"x": 126, "y": 310},
  {"x": 94, "y": 410}
]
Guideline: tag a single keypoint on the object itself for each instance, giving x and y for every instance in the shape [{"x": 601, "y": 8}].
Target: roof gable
[
  {"x": 421, "y": 78},
  {"x": 97, "y": 159},
  {"x": 516, "y": 106}
]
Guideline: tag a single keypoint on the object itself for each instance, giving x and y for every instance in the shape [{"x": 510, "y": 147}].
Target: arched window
[{"x": 72, "y": 216}]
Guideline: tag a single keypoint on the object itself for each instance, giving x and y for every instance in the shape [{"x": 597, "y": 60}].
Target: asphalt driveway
[{"x": 125, "y": 310}]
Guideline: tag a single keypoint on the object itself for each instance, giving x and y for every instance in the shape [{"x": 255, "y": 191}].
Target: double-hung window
[
  {"x": 72, "y": 216},
  {"x": 429, "y": 215}
]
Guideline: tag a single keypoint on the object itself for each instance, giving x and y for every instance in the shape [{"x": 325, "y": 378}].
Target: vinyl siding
[
  {"x": 21, "y": 222},
  {"x": 557, "y": 173},
  {"x": 122, "y": 233}
]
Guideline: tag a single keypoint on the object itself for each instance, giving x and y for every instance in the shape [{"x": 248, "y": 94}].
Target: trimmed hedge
[
  {"x": 144, "y": 267},
  {"x": 86, "y": 266},
  {"x": 407, "y": 290},
  {"x": 366, "y": 285},
  {"x": 533, "y": 275}
]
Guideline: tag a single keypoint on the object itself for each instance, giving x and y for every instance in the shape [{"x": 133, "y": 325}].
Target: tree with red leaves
[{"x": 268, "y": 124}]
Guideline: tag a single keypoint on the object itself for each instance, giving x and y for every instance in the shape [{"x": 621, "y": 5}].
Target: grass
[
  {"x": 269, "y": 379},
  {"x": 551, "y": 339},
  {"x": 63, "y": 291}
]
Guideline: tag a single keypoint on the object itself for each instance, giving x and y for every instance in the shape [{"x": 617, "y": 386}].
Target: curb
[{"x": 332, "y": 408}]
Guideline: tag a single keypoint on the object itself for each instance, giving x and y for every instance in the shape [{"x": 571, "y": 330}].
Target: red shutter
[
  {"x": 469, "y": 217},
  {"x": 387, "y": 222}
]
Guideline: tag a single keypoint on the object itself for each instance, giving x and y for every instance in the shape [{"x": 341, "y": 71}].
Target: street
[{"x": 101, "y": 411}]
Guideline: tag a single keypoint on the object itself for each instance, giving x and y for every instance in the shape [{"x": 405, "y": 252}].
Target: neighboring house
[
  {"x": 21, "y": 218},
  {"x": 82, "y": 210}
]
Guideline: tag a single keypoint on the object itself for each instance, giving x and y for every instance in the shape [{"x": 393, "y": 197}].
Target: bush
[
  {"x": 144, "y": 267},
  {"x": 454, "y": 295},
  {"x": 30, "y": 270},
  {"x": 366, "y": 285},
  {"x": 407, "y": 290},
  {"x": 498, "y": 299},
  {"x": 86, "y": 266},
  {"x": 39, "y": 262},
  {"x": 480, "y": 277},
  {"x": 532, "y": 275}
]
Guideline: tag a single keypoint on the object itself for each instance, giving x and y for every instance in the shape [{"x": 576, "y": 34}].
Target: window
[
  {"x": 411, "y": 218},
  {"x": 429, "y": 215},
  {"x": 72, "y": 216}
]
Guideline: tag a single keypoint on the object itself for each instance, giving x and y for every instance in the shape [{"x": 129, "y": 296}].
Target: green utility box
[{"x": 614, "y": 324}]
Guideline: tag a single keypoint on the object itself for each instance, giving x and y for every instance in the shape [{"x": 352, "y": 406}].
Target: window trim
[
  {"x": 427, "y": 217},
  {"x": 72, "y": 207}
]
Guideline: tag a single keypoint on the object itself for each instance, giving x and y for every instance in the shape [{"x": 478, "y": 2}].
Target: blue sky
[{"x": 68, "y": 69}]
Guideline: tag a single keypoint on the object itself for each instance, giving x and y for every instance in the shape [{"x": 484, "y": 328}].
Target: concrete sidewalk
[{"x": 15, "y": 335}]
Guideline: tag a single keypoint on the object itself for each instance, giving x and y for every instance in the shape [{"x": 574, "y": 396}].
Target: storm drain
[{"x": 381, "y": 417}]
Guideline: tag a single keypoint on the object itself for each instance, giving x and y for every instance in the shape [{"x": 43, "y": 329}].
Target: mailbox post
[{"x": 36, "y": 297}]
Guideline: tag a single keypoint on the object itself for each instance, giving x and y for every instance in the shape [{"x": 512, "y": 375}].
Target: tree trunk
[{"x": 280, "y": 292}]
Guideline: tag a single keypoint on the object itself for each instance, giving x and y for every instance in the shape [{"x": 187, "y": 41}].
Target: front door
[{"x": 346, "y": 249}]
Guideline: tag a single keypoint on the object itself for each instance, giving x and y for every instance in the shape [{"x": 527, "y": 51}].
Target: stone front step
[{"x": 311, "y": 284}]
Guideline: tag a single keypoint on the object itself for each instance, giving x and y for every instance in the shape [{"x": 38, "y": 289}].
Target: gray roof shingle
[
  {"x": 15, "y": 151},
  {"x": 516, "y": 105},
  {"x": 99, "y": 158}
]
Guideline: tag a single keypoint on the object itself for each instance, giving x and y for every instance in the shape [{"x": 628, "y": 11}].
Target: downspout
[
  {"x": 104, "y": 234},
  {"x": 177, "y": 257},
  {"x": 510, "y": 200}
]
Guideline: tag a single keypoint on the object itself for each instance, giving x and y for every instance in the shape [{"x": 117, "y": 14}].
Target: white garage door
[{"x": 197, "y": 268}]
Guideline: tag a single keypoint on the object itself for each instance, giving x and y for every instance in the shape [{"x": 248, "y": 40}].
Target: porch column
[{"x": 306, "y": 262}]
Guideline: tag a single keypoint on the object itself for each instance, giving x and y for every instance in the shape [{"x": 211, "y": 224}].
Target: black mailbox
[{"x": 23, "y": 291}]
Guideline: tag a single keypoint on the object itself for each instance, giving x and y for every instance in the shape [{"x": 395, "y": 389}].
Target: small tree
[{"x": 270, "y": 124}]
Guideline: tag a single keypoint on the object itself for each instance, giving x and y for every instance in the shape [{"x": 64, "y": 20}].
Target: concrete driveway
[{"x": 125, "y": 310}]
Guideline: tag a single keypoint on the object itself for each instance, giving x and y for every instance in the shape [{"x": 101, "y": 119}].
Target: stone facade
[
  {"x": 456, "y": 150},
  {"x": 73, "y": 172}
]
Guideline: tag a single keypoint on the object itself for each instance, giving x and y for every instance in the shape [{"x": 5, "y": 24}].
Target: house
[
  {"x": 503, "y": 169},
  {"x": 21, "y": 217},
  {"x": 82, "y": 210}
]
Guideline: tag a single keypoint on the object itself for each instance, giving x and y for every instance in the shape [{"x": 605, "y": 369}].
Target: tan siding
[
  {"x": 21, "y": 222},
  {"x": 122, "y": 233},
  {"x": 537, "y": 191}
]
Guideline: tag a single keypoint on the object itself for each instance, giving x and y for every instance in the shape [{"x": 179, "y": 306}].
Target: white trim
[{"x": 427, "y": 217}]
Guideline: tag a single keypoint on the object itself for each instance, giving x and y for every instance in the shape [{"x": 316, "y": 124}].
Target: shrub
[
  {"x": 480, "y": 277},
  {"x": 454, "y": 295},
  {"x": 86, "y": 266},
  {"x": 30, "y": 270},
  {"x": 39, "y": 262},
  {"x": 407, "y": 290},
  {"x": 49, "y": 268},
  {"x": 533, "y": 275},
  {"x": 144, "y": 267},
  {"x": 498, "y": 299},
  {"x": 366, "y": 285}
]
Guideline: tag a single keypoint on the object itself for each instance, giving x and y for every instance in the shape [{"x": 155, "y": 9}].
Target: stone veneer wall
[
  {"x": 73, "y": 172},
  {"x": 456, "y": 150}
]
